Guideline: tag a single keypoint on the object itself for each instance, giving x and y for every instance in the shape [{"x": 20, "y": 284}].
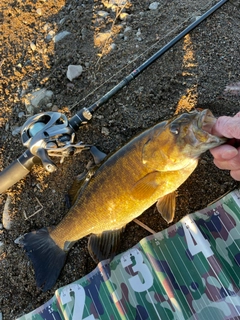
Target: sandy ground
[{"x": 194, "y": 73}]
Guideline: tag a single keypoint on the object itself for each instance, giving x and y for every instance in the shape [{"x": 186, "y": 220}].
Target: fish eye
[{"x": 174, "y": 129}]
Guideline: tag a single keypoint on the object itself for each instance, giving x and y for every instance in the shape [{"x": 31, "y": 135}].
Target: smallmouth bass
[{"x": 148, "y": 169}]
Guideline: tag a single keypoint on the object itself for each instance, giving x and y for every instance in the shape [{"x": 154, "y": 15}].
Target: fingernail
[{"x": 229, "y": 154}]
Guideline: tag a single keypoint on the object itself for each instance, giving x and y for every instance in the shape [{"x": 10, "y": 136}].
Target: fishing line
[{"x": 140, "y": 55}]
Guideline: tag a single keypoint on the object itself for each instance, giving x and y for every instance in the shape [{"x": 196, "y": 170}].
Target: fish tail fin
[{"x": 46, "y": 256}]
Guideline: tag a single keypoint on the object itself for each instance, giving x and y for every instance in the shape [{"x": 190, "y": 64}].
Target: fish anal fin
[
  {"x": 146, "y": 186},
  {"x": 166, "y": 206},
  {"x": 105, "y": 245}
]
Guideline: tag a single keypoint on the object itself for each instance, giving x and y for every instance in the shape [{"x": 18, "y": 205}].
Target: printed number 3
[
  {"x": 146, "y": 281},
  {"x": 79, "y": 301}
]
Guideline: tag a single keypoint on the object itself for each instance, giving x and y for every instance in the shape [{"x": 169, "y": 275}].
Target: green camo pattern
[{"x": 189, "y": 271}]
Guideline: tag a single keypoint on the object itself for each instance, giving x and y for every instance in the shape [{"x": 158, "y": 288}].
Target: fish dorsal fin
[
  {"x": 146, "y": 186},
  {"x": 105, "y": 245},
  {"x": 166, "y": 206}
]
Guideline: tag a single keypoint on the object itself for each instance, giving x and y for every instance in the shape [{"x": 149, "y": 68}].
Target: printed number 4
[
  {"x": 195, "y": 240},
  {"x": 136, "y": 283},
  {"x": 79, "y": 301}
]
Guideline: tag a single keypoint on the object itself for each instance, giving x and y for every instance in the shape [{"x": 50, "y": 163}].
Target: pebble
[
  {"x": 118, "y": 2},
  {"x": 7, "y": 126},
  {"x": 6, "y": 220},
  {"x": 55, "y": 108},
  {"x": 49, "y": 105},
  {"x": 60, "y": 36},
  {"x": 153, "y": 5},
  {"x": 105, "y": 131},
  {"x": 127, "y": 29},
  {"x": 138, "y": 35},
  {"x": 102, "y": 14},
  {"x": 16, "y": 130},
  {"x": 74, "y": 71},
  {"x": 62, "y": 21},
  {"x": 21, "y": 114},
  {"x": 1, "y": 251},
  {"x": 37, "y": 98},
  {"x": 50, "y": 35},
  {"x": 32, "y": 46},
  {"x": 46, "y": 27},
  {"x": 39, "y": 11},
  {"x": 124, "y": 16},
  {"x": 113, "y": 46}
]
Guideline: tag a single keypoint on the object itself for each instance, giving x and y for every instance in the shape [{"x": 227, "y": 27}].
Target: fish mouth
[{"x": 205, "y": 122}]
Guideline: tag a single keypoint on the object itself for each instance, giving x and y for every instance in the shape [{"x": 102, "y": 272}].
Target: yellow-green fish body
[{"x": 146, "y": 170}]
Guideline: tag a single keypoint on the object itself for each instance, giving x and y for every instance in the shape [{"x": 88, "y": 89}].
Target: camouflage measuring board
[{"x": 189, "y": 271}]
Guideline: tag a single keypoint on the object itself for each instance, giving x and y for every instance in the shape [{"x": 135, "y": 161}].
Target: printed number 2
[
  {"x": 195, "y": 240},
  {"x": 79, "y": 301},
  {"x": 136, "y": 283}
]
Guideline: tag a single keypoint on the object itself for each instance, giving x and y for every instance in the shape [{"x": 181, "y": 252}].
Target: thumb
[{"x": 228, "y": 127}]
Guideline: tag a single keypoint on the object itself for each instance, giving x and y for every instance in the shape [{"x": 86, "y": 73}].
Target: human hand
[{"x": 227, "y": 156}]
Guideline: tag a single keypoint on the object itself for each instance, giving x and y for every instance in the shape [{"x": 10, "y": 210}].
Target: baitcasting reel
[{"x": 50, "y": 134}]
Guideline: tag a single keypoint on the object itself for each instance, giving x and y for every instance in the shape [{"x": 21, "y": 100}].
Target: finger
[
  {"x": 237, "y": 115},
  {"x": 233, "y": 164},
  {"x": 228, "y": 127},
  {"x": 224, "y": 152},
  {"x": 235, "y": 174}
]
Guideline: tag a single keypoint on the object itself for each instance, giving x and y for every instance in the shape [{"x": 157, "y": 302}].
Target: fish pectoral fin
[
  {"x": 80, "y": 183},
  {"x": 98, "y": 155},
  {"x": 77, "y": 186},
  {"x": 146, "y": 186},
  {"x": 167, "y": 205},
  {"x": 105, "y": 245}
]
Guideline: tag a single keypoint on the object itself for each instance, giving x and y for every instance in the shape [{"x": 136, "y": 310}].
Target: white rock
[
  {"x": 124, "y": 16},
  {"x": 16, "y": 130},
  {"x": 50, "y": 35},
  {"x": 32, "y": 46},
  {"x": 105, "y": 131},
  {"x": 38, "y": 98},
  {"x": 118, "y": 2},
  {"x": 102, "y": 14},
  {"x": 74, "y": 71},
  {"x": 46, "y": 27},
  {"x": 60, "y": 36},
  {"x": 127, "y": 29},
  {"x": 39, "y": 11},
  {"x": 21, "y": 114},
  {"x": 153, "y": 5},
  {"x": 6, "y": 220},
  {"x": 113, "y": 46},
  {"x": 138, "y": 34}
]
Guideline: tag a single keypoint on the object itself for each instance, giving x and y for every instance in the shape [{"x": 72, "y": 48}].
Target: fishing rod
[{"x": 51, "y": 134}]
